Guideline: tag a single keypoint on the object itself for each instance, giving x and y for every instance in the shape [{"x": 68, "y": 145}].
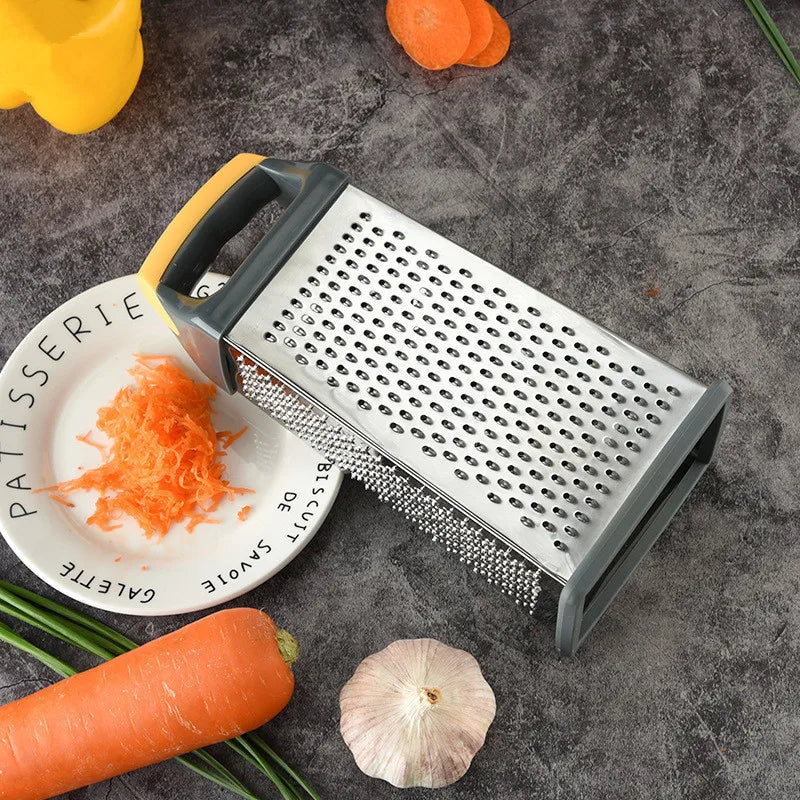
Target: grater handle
[{"x": 216, "y": 213}]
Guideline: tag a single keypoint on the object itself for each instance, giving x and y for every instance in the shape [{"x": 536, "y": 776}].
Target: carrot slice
[
  {"x": 481, "y": 28},
  {"x": 435, "y": 33},
  {"x": 495, "y": 51}
]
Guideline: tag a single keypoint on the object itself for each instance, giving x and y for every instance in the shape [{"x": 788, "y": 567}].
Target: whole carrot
[{"x": 214, "y": 679}]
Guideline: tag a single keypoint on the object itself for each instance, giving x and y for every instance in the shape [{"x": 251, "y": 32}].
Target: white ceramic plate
[{"x": 69, "y": 365}]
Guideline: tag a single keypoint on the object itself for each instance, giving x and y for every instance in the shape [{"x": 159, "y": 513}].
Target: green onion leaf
[{"x": 774, "y": 37}]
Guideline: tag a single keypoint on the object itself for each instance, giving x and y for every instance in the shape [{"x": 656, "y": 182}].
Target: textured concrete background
[{"x": 639, "y": 161}]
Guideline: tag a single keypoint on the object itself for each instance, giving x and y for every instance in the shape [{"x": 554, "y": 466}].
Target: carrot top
[{"x": 164, "y": 461}]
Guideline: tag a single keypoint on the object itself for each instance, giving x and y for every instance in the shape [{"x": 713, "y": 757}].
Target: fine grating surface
[
  {"x": 637, "y": 161},
  {"x": 526, "y": 416},
  {"x": 493, "y": 561}
]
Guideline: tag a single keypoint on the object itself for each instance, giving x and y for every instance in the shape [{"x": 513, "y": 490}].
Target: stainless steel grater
[{"x": 509, "y": 427}]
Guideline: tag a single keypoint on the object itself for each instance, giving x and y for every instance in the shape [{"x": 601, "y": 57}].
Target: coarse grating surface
[{"x": 526, "y": 416}]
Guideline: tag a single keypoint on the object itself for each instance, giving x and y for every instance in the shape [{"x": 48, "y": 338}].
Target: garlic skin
[{"x": 415, "y": 713}]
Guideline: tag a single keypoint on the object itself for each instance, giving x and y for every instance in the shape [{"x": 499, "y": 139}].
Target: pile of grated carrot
[{"x": 164, "y": 461}]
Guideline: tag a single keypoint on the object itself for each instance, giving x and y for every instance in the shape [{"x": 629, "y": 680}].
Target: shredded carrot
[
  {"x": 227, "y": 438},
  {"x": 144, "y": 569},
  {"x": 200, "y": 519},
  {"x": 243, "y": 512},
  {"x": 61, "y": 500},
  {"x": 163, "y": 464},
  {"x": 118, "y": 558},
  {"x": 87, "y": 439}
]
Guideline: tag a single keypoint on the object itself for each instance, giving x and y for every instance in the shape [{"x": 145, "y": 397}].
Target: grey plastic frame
[{"x": 646, "y": 512}]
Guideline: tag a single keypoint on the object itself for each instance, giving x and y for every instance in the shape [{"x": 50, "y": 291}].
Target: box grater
[{"x": 522, "y": 436}]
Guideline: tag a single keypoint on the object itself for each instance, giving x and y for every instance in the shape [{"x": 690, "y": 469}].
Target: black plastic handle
[
  {"x": 305, "y": 190},
  {"x": 227, "y": 217}
]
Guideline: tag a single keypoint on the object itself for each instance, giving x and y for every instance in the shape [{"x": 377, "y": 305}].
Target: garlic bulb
[{"x": 416, "y": 713}]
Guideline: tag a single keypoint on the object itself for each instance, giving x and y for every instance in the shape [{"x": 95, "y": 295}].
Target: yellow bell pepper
[{"x": 75, "y": 61}]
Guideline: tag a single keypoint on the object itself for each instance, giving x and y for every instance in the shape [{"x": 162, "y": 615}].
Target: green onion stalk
[{"x": 774, "y": 37}]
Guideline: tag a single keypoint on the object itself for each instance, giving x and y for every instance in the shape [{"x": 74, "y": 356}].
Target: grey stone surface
[{"x": 639, "y": 161}]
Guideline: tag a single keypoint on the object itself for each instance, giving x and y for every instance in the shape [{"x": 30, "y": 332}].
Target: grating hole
[{"x": 422, "y": 322}]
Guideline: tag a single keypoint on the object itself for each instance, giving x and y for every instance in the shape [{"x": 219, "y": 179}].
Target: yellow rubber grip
[{"x": 168, "y": 244}]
